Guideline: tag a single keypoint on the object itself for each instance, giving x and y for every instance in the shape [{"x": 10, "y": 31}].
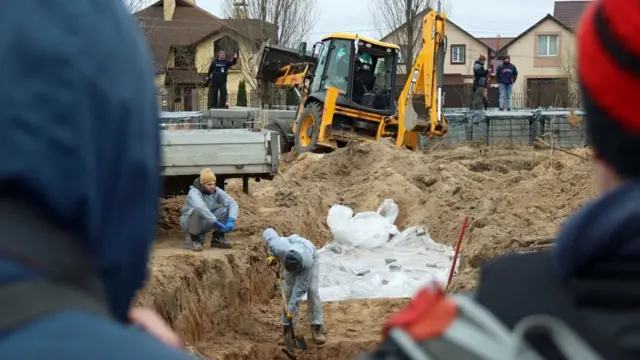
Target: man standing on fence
[
  {"x": 217, "y": 77},
  {"x": 480, "y": 82},
  {"x": 506, "y": 76}
]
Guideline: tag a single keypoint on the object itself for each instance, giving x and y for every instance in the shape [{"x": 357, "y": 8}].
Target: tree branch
[{"x": 391, "y": 16}]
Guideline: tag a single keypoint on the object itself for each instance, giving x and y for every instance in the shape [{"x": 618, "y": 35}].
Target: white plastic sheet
[{"x": 369, "y": 258}]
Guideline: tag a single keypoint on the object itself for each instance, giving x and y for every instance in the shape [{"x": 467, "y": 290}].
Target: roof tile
[{"x": 570, "y": 12}]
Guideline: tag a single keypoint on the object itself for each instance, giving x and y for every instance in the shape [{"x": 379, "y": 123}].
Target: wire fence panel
[{"x": 496, "y": 128}]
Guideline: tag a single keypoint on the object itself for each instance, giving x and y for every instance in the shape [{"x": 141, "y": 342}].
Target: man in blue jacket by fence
[
  {"x": 506, "y": 74},
  {"x": 79, "y": 184}
]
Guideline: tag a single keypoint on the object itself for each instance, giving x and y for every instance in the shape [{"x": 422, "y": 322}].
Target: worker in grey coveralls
[
  {"x": 207, "y": 208},
  {"x": 301, "y": 276}
]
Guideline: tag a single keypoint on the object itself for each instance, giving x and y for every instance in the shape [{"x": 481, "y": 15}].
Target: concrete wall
[{"x": 524, "y": 55}]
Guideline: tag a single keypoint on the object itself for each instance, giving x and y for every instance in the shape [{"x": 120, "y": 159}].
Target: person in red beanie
[{"x": 583, "y": 296}]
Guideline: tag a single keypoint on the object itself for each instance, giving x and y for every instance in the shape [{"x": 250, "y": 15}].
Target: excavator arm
[
  {"x": 294, "y": 76},
  {"x": 425, "y": 77},
  {"x": 285, "y": 67}
]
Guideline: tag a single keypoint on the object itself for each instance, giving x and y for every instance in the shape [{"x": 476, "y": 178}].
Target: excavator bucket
[{"x": 271, "y": 58}]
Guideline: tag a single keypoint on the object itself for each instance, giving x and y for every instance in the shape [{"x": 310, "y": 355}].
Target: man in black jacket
[
  {"x": 590, "y": 280},
  {"x": 480, "y": 82},
  {"x": 217, "y": 77}
]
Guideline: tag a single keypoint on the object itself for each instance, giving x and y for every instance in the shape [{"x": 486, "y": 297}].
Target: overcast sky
[{"x": 482, "y": 18}]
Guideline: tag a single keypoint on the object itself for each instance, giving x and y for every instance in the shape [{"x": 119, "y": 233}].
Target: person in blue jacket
[
  {"x": 301, "y": 276},
  {"x": 79, "y": 184},
  {"x": 217, "y": 77},
  {"x": 207, "y": 208},
  {"x": 506, "y": 74}
]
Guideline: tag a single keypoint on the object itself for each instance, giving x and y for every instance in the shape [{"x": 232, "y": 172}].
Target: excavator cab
[{"x": 361, "y": 69}]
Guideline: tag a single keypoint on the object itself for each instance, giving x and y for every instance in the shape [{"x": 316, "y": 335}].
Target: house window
[
  {"x": 547, "y": 45},
  {"x": 458, "y": 54},
  {"x": 185, "y": 56}
]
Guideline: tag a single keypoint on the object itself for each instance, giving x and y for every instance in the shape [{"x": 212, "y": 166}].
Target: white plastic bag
[
  {"x": 366, "y": 229},
  {"x": 364, "y": 262}
]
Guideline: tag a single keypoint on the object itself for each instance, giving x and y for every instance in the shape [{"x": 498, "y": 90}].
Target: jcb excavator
[{"x": 347, "y": 88}]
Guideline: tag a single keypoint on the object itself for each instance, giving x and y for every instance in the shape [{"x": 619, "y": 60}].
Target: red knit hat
[{"x": 609, "y": 71}]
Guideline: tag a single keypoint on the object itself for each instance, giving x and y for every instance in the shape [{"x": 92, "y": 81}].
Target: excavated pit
[
  {"x": 225, "y": 305},
  {"x": 224, "y": 302}
]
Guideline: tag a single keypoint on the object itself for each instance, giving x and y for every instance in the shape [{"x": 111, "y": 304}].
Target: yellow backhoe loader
[{"x": 347, "y": 88}]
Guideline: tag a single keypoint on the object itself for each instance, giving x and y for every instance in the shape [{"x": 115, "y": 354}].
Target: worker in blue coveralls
[
  {"x": 207, "y": 208},
  {"x": 79, "y": 184},
  {"x": 217, "y": 76},
  {"x": 301, "y": 276}
]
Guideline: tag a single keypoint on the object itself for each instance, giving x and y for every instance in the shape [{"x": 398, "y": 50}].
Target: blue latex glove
[
  {"x": 230, "y": 225},
  {"x": 220, "y": 226}
]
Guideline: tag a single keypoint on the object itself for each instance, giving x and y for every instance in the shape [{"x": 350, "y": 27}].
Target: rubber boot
[
  {"x": 285, "y": 332},
  {"x": 196, "y": 243},
  {"x": 317, "y": 334},
  {"x": 219, "y": 241}
]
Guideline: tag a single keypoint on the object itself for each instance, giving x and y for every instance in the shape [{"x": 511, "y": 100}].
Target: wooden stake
[{"x": 541, "y": 142}]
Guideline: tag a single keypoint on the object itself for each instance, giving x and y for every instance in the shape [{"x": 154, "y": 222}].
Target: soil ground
[{"x": 224, "y": 302}]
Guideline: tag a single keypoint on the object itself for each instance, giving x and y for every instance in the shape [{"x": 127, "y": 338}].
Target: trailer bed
[{"x": 228, "y": 152}]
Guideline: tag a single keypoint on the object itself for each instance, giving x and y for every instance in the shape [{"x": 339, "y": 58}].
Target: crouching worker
[
  {"x": 301, "y": 276},
  {"x": 207, "y": 208}
]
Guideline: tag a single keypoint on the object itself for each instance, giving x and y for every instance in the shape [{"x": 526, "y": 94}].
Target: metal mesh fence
[
  {"x": 494, "y": 128},
  {"x": 196, "y": 99},
  {"x": 563, "y": 127}
]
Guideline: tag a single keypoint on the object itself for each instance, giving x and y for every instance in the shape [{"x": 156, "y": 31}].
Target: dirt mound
[
  {"x": 517, "y": 196},
  {"x": 169, "y": 216}
]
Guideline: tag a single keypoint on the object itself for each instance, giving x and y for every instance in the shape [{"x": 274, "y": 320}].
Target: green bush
[{"x": 242, "y": 94}]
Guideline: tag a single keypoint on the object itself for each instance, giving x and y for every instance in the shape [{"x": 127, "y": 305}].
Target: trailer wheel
[
  {"x": 284, "y": 146},
  {"x": 308, "y": 128}
]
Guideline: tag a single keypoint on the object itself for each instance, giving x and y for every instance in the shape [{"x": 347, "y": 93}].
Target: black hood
[{"x": 196, "y": 184}]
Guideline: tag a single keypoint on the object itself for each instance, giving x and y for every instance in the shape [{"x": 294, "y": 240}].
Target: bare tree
[
  {"x": 570, "y": 71},
  {"x": 136, "y": 5},
  {"x": 282, "y": 22},
  {"x": 403, "y": 20},
  {"x": 292, "y": 19}
]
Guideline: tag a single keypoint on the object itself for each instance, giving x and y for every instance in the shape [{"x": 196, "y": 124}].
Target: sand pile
[
  {"x": 517, "y": 197},
  {"x": 169, "y": 216}
]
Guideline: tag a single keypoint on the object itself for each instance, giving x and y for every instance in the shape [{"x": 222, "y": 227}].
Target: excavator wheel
[{"x": 308, "y": 128}]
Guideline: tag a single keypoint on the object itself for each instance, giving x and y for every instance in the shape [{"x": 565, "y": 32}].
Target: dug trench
[
  {"x": 224, "y": 302},
  {"x": 225, "y": 305}
]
